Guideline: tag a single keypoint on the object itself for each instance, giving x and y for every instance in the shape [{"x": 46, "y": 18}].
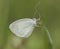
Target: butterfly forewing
[{"x": 22, "y": 27}]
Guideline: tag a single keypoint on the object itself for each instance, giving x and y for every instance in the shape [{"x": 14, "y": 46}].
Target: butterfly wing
[{"x": 22, "y": 27}]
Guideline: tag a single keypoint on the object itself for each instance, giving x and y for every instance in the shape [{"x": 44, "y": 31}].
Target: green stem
[{"x": 50, "y": 43}]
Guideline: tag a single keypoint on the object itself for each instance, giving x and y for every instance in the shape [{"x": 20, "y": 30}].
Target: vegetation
[{"x": 11, "y": 10}]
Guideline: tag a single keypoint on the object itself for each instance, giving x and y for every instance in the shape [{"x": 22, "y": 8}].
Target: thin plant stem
[{"x": 50, "y": 42}]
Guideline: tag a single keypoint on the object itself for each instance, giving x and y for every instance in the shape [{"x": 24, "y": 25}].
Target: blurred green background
[{"x": 11, "y": 10}]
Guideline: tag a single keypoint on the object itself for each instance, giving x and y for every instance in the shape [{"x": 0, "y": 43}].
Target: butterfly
[{"x": 23, "y": 27}]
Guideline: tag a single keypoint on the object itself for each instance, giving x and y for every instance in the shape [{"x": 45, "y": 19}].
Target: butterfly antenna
[{"x": 36, "y": 10}]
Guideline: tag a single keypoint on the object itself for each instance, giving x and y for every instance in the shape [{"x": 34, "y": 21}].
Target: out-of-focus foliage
[{"x": 11, "y": 10}]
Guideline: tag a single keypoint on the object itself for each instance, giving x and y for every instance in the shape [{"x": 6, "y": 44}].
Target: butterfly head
[{"x": 36, "y": 21}]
